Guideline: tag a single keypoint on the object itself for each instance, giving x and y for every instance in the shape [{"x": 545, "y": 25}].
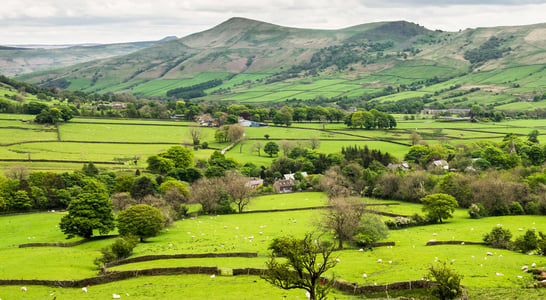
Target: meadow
[
  {"x": 252, "y": 232},
  {"x": 109, "y": 141}
]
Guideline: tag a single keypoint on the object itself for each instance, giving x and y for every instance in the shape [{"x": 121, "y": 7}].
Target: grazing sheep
[
  {"x": 23, "y": 288},
  {"x": 520, "y": 229},
  {"x": 364, "y": 275},
  {"x": 84, "y": 289},
  {"x": 520, "y": 277},
  {"x": 361, "y": 250},
  {"x": 212, "y": 276},
  {"x": 294, "y": 221},
  {"x": 116, "y": 296},
  {"x": 308, "y": 295},
  {"x": 379, "y": 260},
  {"x": 337, "y": 259},
  {"x": 499, "y": 274},
  {"x": 462, "y": 243},
  {"x": 533, "y": 265},
  {"x": 525, "y": 268},
  {"x": 390, "y": 261},
  {"x": 489, "y": 254},
  {"x": 434, "y": 234}
]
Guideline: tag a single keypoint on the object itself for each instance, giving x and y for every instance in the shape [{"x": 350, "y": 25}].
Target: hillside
[
  {"x": 245, "y": 60},
  {"x": 18, "y": 60}
]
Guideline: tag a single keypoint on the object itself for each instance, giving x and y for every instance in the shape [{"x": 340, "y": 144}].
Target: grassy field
[
  {"x": 108, "y": 140},
  {"x": 253, "y": 232}
]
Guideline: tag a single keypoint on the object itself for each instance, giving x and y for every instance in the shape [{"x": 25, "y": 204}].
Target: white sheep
[
  {"x": 462, "y": 243},
  {"x": 364, "y": 275},
  {"x": 361, "y": 250},
  {"x": 116, "y": 296},
  {"x": 489, "y": 254},
  {"x": 24, "y": 288},
  {"x": 337, "y": 260},
  {"x": 212, "y": 276},
  {"x": 379, "y": 260},
  {"x": 499, "y": 274},
  {"x": 308, "y": 295},
  {"x": 84, "y": 289},
  {"x": 533, "y": 265},
  {"x": 390, "y": 261}
]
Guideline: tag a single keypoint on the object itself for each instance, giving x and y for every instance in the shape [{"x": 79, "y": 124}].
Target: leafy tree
[
  {"x": 90, "y": 169},
  {"x": 159, "y": 165},
  {"x": 533, "y": 136},
  {"x": 306, "y": 261},
  {"x": 271, "y": 148},
  {"x": 88, "y": 212},
  {"x": 370, "y": 230},
  {"x": 448, "y": 283},
  {"x": 180, "y": 156},
  {"x": 498, "y": 238},
  {"x": 439, "y": 206},
  {"x": 120, "y": 249},
  {"x": 20, "y": 201},
  {"x": 235, "y": 132},
  {"x": 143, "y": 186},
  {"x": 140, "y": 220}
]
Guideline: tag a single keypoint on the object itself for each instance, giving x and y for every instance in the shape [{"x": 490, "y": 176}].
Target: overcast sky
[{"x": 110, "y": 21}]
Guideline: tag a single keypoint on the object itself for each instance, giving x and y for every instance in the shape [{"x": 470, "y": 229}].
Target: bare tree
[
  {"x": 343, "y": 218},
  {"x": 256, "y": 147},
  {"x": 197, "y": 134},
  {"x": 286, "y": 146},
  {"x": 121, "y": 201},
  {"x": 314, "y": 142},
  {"x": 18, "y": 172},
  {"x": 238, "y": 187},
  {"x": 205, "y": 192},
  {"x": 235, "y": 132},
  {"x": 334, "y": 184}
]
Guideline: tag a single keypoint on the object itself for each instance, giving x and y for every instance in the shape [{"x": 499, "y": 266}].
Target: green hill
[
  {"x": 18, "y": 60},
  {"x": 244, "y": 60}
]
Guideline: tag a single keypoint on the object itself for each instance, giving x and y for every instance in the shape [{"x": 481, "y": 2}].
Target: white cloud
[{"x": 68, "y": 21}]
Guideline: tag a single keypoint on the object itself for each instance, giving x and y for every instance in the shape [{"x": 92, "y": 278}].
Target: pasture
[
  {"x": 110, "y": 141},
  {"x": 252, "y": 232}
]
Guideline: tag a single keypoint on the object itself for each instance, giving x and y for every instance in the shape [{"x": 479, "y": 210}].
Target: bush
[
  {"x": 498, "y": 238},
  {"x": 448, "y": 282},
  {"x": 526, "y": 243},
  {"x": 531, "y": 208},
  {"x": 516, "y": 209},
  {"x": 541, "y": 245},
  {"x": 120, "y": 249},
  {"x": 477, "y": 211}
]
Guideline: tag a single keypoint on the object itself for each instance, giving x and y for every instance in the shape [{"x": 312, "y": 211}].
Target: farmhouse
[
  {"x": 247, "y": 123},
  {"x": 284, "y": 186}
]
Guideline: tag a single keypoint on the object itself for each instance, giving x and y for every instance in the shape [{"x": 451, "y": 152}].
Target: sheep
[
  {"x": 212, "y": 276},
  {"x": 308, "y": 295},
  {"x": 533, "y": 265},
  {"x": 390, "y": 261},
  {"x": 520, "y": 229},
  {"x": 364, "y": 275},
  {"x": 434, "y": 234},
  {"x": 361, "y": 250},
  {"x": 489, "y": 254},
  {"x": 499, "y": 274},
  {"x": 525, "y": 268},
  {"x": 116, "y": 296},
  {"x": 84, "y": 289},
  {"x": 24, "y": 288},
  {"x": 462, "y": 243},
  {"x": 379, "y": 260},
  {"x": 337, "y": 260},
  {"x": 295, "y": 221},
  {"x": 520, "y": 277}
]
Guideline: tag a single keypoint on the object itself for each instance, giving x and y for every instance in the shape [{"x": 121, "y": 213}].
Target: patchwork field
[
  {"x": 109, "y": 142},
  {"x": 252, "y": 232}
]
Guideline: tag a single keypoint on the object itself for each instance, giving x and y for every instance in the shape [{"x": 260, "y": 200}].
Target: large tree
[
  {"x": 271, "y": 148},
  {"x": 343, "y": 218},
  {"x": 304, "y": 263},
  {"x": 88, "y": 212},
  {"x": 439, "y": 206},
  {"x": 238, "y": 187},
  {"x": 140, "y": 220}
]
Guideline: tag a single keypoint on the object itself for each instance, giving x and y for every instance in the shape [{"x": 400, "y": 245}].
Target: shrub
[
  {"x": 477, "y": 211},
  {"x": 448, "y": 282},
  {"x": 516, "y": 209},
  {"x": 531, "y": 208},
  {"x": 120, "y": 249},
  {"x": 527, "y": 242},
  {"x": 498, "y": 238},
  {"x": 541, "y": 245}
]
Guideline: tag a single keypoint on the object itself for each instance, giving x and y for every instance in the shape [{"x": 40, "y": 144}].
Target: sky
[{"x": 115, "y": 21}]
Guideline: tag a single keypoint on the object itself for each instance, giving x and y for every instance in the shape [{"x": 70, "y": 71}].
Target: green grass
[{"x": 232, "y": 233}]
